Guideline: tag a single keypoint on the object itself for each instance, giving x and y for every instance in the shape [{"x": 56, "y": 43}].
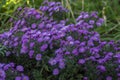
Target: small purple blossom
[
  {"x": 56, "y": 71},
  {"x": 31, "y": 53},
  {"x": 101, "y": 68},
  {"x": 81, "y": 61},
  {"x": 43, "y": 47},
  {"x": 25, "y": 78},
  {"x": 18, "y": 78},
  {"x": 20, "y": 68},
  {"x": 2, "y": 73},
  {"x": 33, "y": 25},
  {"x": 108, "y": 78},
  {"x": 38, "y": 57},
  {"x": 61, "y": 65},
  {"x": 52, "y": 61}
]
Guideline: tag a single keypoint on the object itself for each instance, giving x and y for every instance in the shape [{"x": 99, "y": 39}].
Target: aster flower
[
  {"x": 67, "y": 53},
  {"x": 75, "y": 52},
  {"x": 18, "y": 78},
  {"x": 7, "y": 66},
  {"x": 2, "y": 73},
  {"x": 32, "y": 44},
  {"x": 12, "y": 64},
  {"x": 85, "y": 78},
  {"x": 61, "y": 65},
  {"x": 33, "y": 25},
  {"x": 25, "y": 78},
  {"x": 81, "y": 49},
  {"x": 1, "y": 65},
  {"x": 8, "y": 53},
  {"x": 81, "y": 61},
  {"x": 20, "y": 68},
  {"x": 31, "y": 52},
  {"x": 38, "y": 57},
  {"x": 43, "y": 47},
  {"x": 101, "y": 68},
  {"x": 91, "y": 22},
  {"x": 56, "y": 71},
  {"x": 108, "y": 78},
  {"x": 38, "y": 16},
  {"x": 52, "y": 61}
]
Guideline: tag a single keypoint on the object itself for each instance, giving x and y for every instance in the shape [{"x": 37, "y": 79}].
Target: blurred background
[{"x": 108, "y": 9}]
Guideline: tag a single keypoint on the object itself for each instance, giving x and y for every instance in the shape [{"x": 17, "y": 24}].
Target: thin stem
[
  {"x": 83, "y": 4},
  {"x": 69, "y": 7}
]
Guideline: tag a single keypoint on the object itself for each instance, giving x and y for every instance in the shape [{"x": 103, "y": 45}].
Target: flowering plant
[{"x": 40, "y": 42}]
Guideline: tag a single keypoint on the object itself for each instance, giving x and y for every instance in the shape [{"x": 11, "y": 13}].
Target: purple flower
[
  {"x": 40, "y": 40},
  {"x": 98, "y": 24},
  {"x": 20, "y": 68},
  {"x": 91, "y": 22},
  {"x": 19, "y": 8},
  {"x": 67, "y": 53},
  {"x": 38, "y": 16},
  {"x": 101, "y": 68},
  {"x": 2, "y": 73},
  {"x": 61, "y": 65},
  {"x": 2, "y": 78},
  {"x": 118, "y": 74},
  {"x": 32, "y": 44},
  {"x": 15, "y": 44},
  {"x": 48, "y": 25},
  {"x": 92, "y": 58},
  {"x": 75, "y": 52},
  {"x": 44, "y": 47},
  {"x": 6, "y": 43},
  {"x": 12, "y": 64},
  {"x": 101, "y": 61},
  {"x": 86, "y": 16},
  {"x": 85, "y": 78},
  {"x": 81, "y": 61},
  {"x": 101, "y": 20},
  {"x": 25, "y": 78},
  {"x": 18, "y": 78},
  {"x": 8, "y": 53},
  {"x": 90, "y": 43},
  {"x": 90, "y": 26},
  {"x": 94, "y": 50},
  {"x": 108, "y": 78},
  {"x": 94, "y": 14},
  {"x": 24, "y": 50},
  {"x": 31, "y": 52},
  {"x": 81, "y": 49},
  {"x": 41, "y": 25},
  {"x": 69, "y": 38},
  {"x": 1, "y": 65},
  {"x": 38, "y": 57},
  {"x": 117, "y": 55},
  {"x": 52, "y": 61},
  {"x": 56, "y": 71},
  {"x": 7, "y": 66},
  {"x": 34, "y": 26}
]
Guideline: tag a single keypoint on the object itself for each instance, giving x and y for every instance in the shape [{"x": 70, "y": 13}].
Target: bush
[{"x": 51, "y": 48}]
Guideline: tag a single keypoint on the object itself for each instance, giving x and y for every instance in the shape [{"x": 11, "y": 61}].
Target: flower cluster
[
  {"x": 12, "y": 71},
  {"x": 42, "y": 38},
  {"x": 52, "y": 7}
]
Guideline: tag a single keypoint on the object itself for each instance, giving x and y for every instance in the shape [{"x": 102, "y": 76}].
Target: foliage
[{"x": 3, "y": 50}]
